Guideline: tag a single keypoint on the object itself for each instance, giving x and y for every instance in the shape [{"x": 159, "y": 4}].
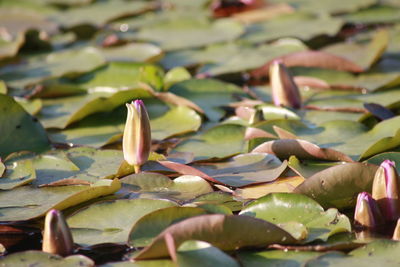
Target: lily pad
[
  {"x": 26, "y": 202},
  {"x": 61, "y": 112},
  {"x": 245, "y": 169},
  {"x": 218, "y": 142},
  {"x": 222, "y": 231},
  {"x": 89, "y": 227},
  {"x": 276, "y": 258},
  {"x": 281, "y": 185},
  {"x": 193, "y": 253},
  {"x": 100, "y": 12},
  {"x": 152, "y": 224},
  {"x": 375, "y": 253},
  {"x": 339, "y": 185},
  {"x": 19, "y": 131},
  {"x": 282, "y": 208},
  {"x": 103, "y": 128},
  {"x": 135, "y": 52},
  {"x": 56, "y": 64},
  {"x": 301, "y": 25},
  {"x": 393, "y": 156},
  {"x": 208, "y": 94},
  {"x": 39, "y": 258},
  {"x": 17, "y": 174},
  {"x": 179, "y": 33},
  {"x": 153, "y": 185}
]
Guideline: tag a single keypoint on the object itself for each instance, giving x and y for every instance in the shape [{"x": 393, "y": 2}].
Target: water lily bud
[
  {"x": 367, "y": 212},
  {"x": 136, "y": 142},
  {"x": 57, "y": 238},
  {"x": 284, "y": 90},
  {"x": 396, "y": 233},
  {"x": 385, "y": 190}
]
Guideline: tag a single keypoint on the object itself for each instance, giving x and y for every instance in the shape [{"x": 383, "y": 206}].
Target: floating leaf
[
  {"x": 276, "y": 257},
  {"x": 365, "y": 55},
  {"x": 244, "y": 169},
  {"x": 220, "y": 141},
  {"x": 339, "y": 185},
  {"x": 39, "y": 258},
  {"x": 300, "y": 25},
  {"x": 19, "y": 131},
  {"x": 152, "y": 224},
  {"x": 222, "y": 231},
  {"x": 17, "y": 174},
  {"x": 208, "y": 94},
  {"x": 26, "y": 202},
  {"x": 179, "y": 33},
  {"x": 73, "y": 61},
  {"x": 135, "y": 52},
  {"x": 282, "y": 208},
  {"x": 302, "y": 149},
  {"x": 89, "y": 227},
  {"x": 280, "y": 185}
]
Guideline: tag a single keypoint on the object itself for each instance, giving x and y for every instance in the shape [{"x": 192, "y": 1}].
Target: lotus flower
[
  {"x": 385, "y": 190},
  {"x": 284, "y": 90},
  {"x": 136, "y": 142},
  {"x": 367, "y": 212},
  {"x": 57, "y": 238}
]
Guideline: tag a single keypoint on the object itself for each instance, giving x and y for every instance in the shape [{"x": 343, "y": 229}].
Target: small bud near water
[
  {"x": 57, "y": 238},
  {"x": 136, "y": 142},
  {"x": 367, "y": 212},
  {"x": 385, "y": 190},
  {"x": 284, "y": 90}
]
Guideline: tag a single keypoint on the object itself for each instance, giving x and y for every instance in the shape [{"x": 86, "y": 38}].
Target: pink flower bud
[
  {"x": 284, "y": 90},
  {"x": 367, "y": 212},
  {"x": 385, "y": 190},
  {"x": 136, "y": 142},
  {"x": 57, "y": 238}
]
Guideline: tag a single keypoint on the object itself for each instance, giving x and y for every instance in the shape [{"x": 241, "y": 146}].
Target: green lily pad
[
  {"x": 135, "y": 52},
  {"x": 393, "y": 156},
  {"x": 376, "y": 14},
  {"x": 61, "y": 112},
  {"x": 222, "y": 231},
  {"x": 10, "y": 47},
  {"x": 375, "y": 253},
  {"x": 283, "y": 208},
  {"x": 88, "y": 226},
  {"x": 218, "y": 198},
  {"x": 104, "y": 128},
  {"x": 19, "y": 131},
  {"x": 339, "y": 185},
  {"x": 154, "y": 185},
  {"x": 27, "y": 202},
  {"x": 245, "y": 169},
  {"x": 350, "y": 138},
  {"x": 179, "y": 33},
  {"x": 73, "y": 61},
  {"x": 208, "y": 94},
  {"x": 39, "y": 258},
  {"x": 328, "y": 6},
  {"x": 301, "y": 25},
  {"x": 218, "y": 142},
  {"x": 307, "y": 168},
  {"x": 193, "y": 253},
  {"x": 363, "y": 55},
  {"x": 99, "y": 13},
  {"x": 17, "y": 174},
  {"x": 276, "y": 258},
  {"x": 152, "y": 224}
]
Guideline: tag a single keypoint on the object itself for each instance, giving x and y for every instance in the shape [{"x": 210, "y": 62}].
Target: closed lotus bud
[
  {"x": 367, "y": 212},
  {"x": 284, "y": 90},
  {"x": 385, "y": 190},
  {"x": 57, "y": 238},
  {"x": 136, "y": 142},
  {"x": 396, "y": 233}
]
